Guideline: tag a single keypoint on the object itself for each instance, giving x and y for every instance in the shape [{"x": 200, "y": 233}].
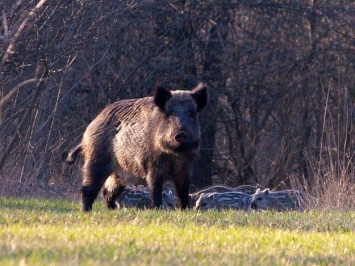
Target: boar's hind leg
[
  {"x": 93, "y": 179},
  {"x": 112, "y": 189}
]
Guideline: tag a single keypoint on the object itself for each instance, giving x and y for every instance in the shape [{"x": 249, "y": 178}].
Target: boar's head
[{"x": 178, "y": 127}]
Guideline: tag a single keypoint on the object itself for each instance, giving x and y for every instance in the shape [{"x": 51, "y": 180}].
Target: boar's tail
[{"x": 73, "y": 154}]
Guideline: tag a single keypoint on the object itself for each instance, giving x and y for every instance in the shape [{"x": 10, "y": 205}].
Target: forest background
[{"x": 281, "y": 78}]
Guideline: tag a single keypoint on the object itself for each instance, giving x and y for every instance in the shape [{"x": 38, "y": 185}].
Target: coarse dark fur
[{"x": 153, "y": 138}]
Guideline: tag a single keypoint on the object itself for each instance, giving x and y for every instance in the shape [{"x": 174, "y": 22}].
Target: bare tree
[{"x": 281, "y": 78}]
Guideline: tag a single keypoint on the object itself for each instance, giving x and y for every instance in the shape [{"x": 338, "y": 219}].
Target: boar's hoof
[{"x": 86, "y": 204}]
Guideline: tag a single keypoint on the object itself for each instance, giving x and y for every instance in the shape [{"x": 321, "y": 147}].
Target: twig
[
  {"x": 18, "y": 33},
  {"x": 15, "y": 89}
]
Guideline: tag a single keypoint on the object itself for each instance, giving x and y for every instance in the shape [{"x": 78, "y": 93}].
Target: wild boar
[
  {"x": 224, "y": 200},
  {"x": 283, "y": 200},
  {"x": 246, "y": 189},
  {"x": 154, "y": 139},
  {"x": 193, "y": 197},
  {"x": 141, "y": 199}
]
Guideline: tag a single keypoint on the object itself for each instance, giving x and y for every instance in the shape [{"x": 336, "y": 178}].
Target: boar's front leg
[
  {"x": 155, "y": 184},
  {"x": 182, "y": 186}
]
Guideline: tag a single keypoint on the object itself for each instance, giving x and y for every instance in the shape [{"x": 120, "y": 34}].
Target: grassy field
[{"x": 55, "y": 232}]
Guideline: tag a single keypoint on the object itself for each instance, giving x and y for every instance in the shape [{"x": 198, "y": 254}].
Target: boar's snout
[{"x": 182, "y": 137}]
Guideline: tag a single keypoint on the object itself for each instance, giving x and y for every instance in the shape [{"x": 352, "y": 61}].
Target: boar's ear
[
  {"x": 266, "y": 191},
  {"x": 161, "y": 95},
  {"x": 200, "y": 95}
]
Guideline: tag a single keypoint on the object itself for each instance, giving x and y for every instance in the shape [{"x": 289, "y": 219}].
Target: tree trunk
[{"x": 213, "y": 75}]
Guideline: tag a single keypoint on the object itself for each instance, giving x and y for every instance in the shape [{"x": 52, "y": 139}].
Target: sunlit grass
[{"x": 43, "y": 232}]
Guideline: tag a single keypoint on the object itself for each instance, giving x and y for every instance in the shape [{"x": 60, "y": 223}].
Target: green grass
[{"x": 56, "y": 232}]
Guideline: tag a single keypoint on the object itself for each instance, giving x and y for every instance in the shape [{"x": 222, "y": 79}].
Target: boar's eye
[
  {"x": 169, "y": 114},
  {"x": 259, "y": 199},
  {"x": 191, "y": 114}
]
